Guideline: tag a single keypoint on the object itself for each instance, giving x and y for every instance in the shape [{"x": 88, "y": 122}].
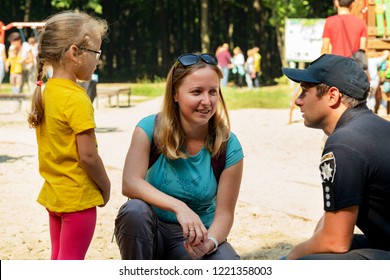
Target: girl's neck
[{"x": 63, "y": 74}]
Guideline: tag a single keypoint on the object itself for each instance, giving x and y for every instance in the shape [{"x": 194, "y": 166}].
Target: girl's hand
[
  {"x": 106, "y": 198},
  {"x": 192, "y": 225}
]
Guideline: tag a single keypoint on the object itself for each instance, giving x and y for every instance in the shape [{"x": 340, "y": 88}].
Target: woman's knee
[{"x": 133, "y": 214}]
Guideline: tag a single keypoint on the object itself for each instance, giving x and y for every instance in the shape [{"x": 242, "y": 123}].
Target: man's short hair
[{"x": 345, "y": 3}]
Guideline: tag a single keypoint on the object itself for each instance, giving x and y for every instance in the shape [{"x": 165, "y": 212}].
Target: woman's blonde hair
[
  {"x": 169, "y": 136},
  {"x": 60, "y": 32}
]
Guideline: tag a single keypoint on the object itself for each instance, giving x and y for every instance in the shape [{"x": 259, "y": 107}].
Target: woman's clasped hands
[{"x": 197, "y": 244}]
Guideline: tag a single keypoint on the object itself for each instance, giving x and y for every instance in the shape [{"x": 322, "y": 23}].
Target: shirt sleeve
[
  {"x": 234, "y": 152},
  {"x": 147, "y": 125},
  {"x": 79, "y": 112},
  {"x": 343, "y": 171},
  {"x": 325, "y": 33}
]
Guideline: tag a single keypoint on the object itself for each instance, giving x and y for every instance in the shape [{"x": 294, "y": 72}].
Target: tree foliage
[{"x": 147, "y": 35}]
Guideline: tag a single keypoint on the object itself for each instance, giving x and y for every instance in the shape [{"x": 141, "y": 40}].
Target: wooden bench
[
  {"x": 17, "y": 97},
  {"x": 113, "y": 92}
]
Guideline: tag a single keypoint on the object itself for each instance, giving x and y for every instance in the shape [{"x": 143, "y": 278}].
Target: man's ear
[{"x": 334, "y": 96}]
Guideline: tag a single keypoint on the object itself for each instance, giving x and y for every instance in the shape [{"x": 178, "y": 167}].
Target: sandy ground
[{"x": 279, "y": 204}]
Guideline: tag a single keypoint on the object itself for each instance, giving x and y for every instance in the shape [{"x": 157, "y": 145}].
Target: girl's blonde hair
[
  {"x": 169, "y": 135},
  {"x": 60, "y": 32}
]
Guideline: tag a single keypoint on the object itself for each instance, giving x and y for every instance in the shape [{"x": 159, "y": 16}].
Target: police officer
[{"x": 355, "y": 164}]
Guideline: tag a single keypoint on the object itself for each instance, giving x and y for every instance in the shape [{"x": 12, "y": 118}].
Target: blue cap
[{"x": 336, "y": 71}]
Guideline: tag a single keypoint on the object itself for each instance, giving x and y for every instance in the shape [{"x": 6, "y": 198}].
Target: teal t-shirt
[{"x": 190, "y": 180}]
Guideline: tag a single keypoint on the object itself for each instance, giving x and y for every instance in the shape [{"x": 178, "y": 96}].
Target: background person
[
  {"x": 343, "y": 33},
  {"x": 249, "y": 66},
  {"x": 15, "y": 67},
  {"x": 256, "y": 71},
  {"x": 238, "y": 61},
  {"x": 374, "y": 64},
  {"x": 354, "y": 165},
  {"x": 75, "y": 179},
  {"x": 23, "y": 50},
  {"x": 31, "y": 75},
  {"x": 224, "y": 58},
  {"x": 180, "y": 207},
  {"x": 3, "y": 61}
]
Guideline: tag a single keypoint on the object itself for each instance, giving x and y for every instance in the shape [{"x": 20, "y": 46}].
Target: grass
[{"x": 270, "y": 97}]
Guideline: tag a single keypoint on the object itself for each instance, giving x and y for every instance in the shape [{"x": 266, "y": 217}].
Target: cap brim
[{"x": 299, "y": 75}]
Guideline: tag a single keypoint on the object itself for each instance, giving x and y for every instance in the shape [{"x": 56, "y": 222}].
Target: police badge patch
[
  {"x": 328, "y": 167},
  {"x": 328, "y": 171}
]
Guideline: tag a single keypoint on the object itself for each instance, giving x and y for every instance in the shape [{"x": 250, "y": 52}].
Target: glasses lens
[
  {"x": 98, "y": 54},
  {"x": 188, "y": 59},
  {"x": 209, "y": 59}
]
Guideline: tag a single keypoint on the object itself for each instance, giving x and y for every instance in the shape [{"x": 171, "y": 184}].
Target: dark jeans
[
  {"x": 360, "y": 250},
  {"x": 140, "y": 235}
]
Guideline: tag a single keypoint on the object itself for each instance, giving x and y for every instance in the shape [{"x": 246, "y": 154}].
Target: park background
[
  {"x": 147, "y": 35},
  {"x": 280, "y": 199}
]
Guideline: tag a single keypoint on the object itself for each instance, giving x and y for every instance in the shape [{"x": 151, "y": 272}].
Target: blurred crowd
[{"x": 244, "y": 71}]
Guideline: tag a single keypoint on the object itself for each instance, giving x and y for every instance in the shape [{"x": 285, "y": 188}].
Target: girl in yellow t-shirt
[
  {"x": 63, "y": 116},
  {"x": 14, "y": 63}
]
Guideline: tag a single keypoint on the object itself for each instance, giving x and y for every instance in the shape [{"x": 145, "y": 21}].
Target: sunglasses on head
[{"x": 191, "y": 59}]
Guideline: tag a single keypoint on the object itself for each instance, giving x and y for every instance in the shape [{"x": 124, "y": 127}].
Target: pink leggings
[{"x": 71, "y": 233}]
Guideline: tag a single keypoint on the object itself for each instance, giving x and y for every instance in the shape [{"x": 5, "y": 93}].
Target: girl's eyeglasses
[
  {"x": 191, "y": 59},
  {"x": 98, "y": 53}
]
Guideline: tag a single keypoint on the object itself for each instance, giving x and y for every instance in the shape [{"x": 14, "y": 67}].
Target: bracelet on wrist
[{"x": 215, "y": 243}]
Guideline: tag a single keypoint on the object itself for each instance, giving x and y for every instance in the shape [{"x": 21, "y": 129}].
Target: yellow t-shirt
[
  {"x": 68, "y": 111},
  {"x": 16, "y": 65},
  {"x": 257, "y": 62}
]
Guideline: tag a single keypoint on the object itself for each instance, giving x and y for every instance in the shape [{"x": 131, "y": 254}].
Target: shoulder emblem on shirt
[
  {"x": 329, "y": 196},
  {"x": 328, "y": 171},
  {"x": 328, "y": 167}
]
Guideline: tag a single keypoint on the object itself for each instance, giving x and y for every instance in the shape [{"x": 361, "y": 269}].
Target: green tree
[{"x": 147, "y": 35}]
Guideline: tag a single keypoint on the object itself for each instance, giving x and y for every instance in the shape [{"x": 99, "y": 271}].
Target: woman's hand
[
  {"x": 191, "y": 224},
  {"x": 198, "y": 251}
]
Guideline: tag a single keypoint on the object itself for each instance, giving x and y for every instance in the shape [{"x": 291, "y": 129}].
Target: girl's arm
[
  {"x": 92, "y": 163},
  {"x": 135, "y": 186}
]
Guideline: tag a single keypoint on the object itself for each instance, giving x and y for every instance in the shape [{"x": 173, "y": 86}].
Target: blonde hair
[
  {"x": 169, "y": 135},
  {"x": 237, "y": 50},
  {"x": 60, "y": 32}
]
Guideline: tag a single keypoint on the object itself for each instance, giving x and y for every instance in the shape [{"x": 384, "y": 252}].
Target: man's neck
[{"x": 343, "y": 11}]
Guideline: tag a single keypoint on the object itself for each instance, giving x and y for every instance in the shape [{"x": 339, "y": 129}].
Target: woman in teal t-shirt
[{"x": 180, "y": 207}]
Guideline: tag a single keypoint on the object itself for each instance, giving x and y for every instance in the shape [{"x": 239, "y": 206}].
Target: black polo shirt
[{"x": 355, "y": 170}]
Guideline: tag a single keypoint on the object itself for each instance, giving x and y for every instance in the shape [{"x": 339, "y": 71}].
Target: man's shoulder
[
  {"x": 354, "y": 20},
  {"x": 364, "y": 120},
  {"x": 348, "y": 18},
  {"x": 332, "y": 19}
]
